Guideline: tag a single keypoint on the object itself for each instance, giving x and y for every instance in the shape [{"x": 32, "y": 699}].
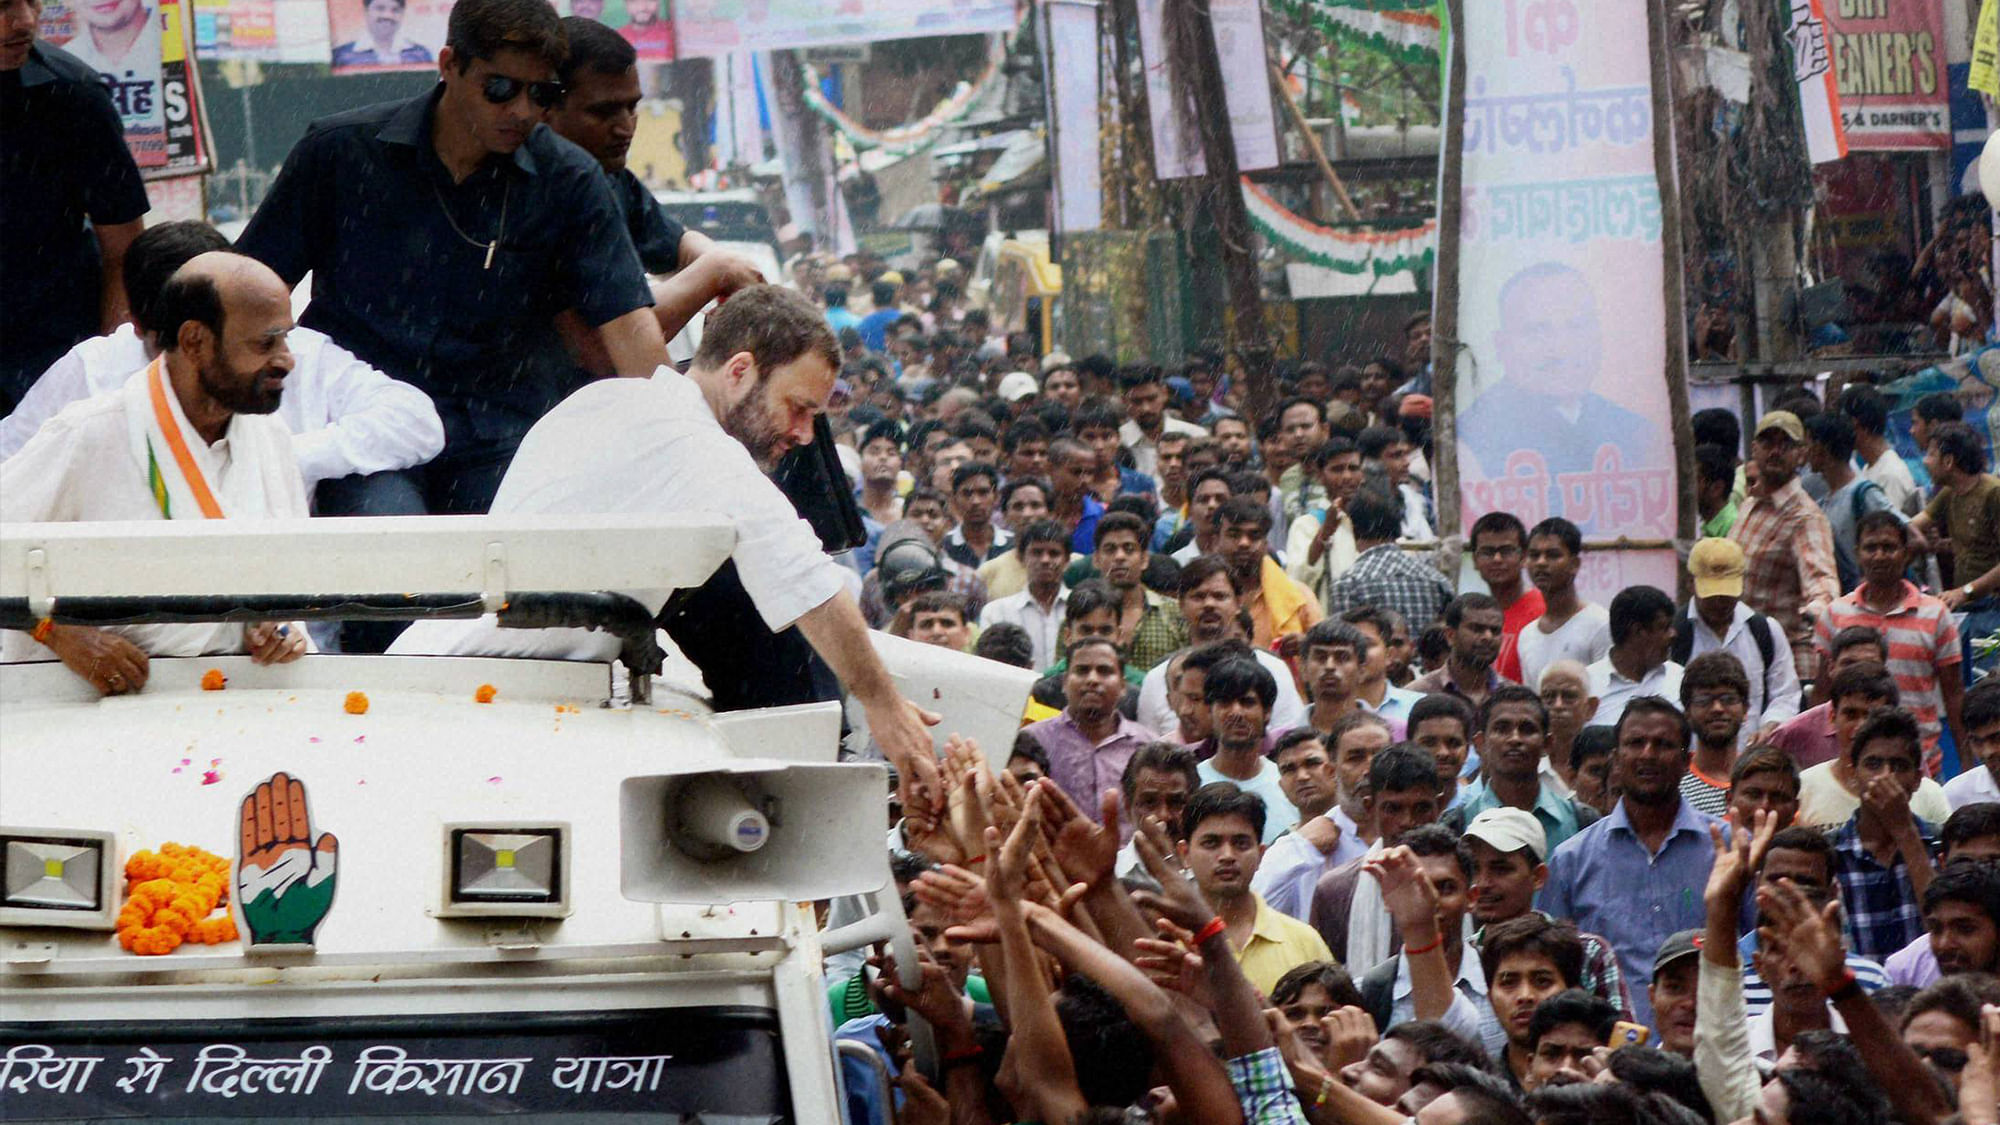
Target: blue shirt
[
  {"x": 1883, "y": 914},
  {"x": 1084, "y": 539},
  {"x": 1871, "y": 976},
  {"x": 874, "y": 328},
  {"x": 400, "y": 260},
  {"x": 1604, "y": 880},
  {"x": 1557, "y": 813},
  {"x": 842, "y": 317}
]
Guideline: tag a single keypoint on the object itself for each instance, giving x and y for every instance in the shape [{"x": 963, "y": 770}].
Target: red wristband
[
  {"x": 968, "y": 1054},
  {"x": 40, "y": 633},
  {"x": 1848, "y": 983},
  {"x": 1421, "y": 950},
  {"x": 1215, "y": 926}
]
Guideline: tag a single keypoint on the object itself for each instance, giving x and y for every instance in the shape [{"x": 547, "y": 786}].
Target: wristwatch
[{"x": 1966, "y": 590}]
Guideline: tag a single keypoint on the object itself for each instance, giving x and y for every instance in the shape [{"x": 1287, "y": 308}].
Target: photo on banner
[
  {"x": 1563, "y": 401},
  {"x": 378, "y": 35},
  {"x": 120, "y": 40}
]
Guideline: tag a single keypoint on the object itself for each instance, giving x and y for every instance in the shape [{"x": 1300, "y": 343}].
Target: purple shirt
[
  {"x": 1084, "y": 769},
  {"x": 1915, "y": 964}
]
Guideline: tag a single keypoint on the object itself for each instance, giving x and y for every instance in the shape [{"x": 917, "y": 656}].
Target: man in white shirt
[
  {"x": 699, "y": 443},
  {"x": 1717, "y": 620},
  {"x": 347, "y": 419},
  {"x": 1980, "y": 718},
  {"x": 1039, "y": 609},
  {"x": 1642, "y": 632},
  {"x": 1210, "y": 605},
  {"x": 1869, "y": 411},
  {"x": 1569, "y": 627},
  {"x": 1146, "y": 417},
  {"x": 185, "y": 437}
]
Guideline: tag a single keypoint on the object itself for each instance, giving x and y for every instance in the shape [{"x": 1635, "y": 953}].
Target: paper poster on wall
[
  {"x": 120, "y": 40},
  {"x": 1889, "y": 57},
  {"x": 180, "y": 97},
  {"x": 705, "y": 28},
  {"x": 1563, "y": 402},
  {"x": 377, "y": 35},
  {"x": 277, "y": 31},
  {"x": 1239, "y": 45},
  {"x": 1069, "y": 56}
]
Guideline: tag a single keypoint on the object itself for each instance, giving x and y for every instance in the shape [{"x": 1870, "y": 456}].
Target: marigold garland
[
  {"x": 170, "y": 894},
  {"x": 485, "y": 693},
  {"x": 357, "y": 703},
  {"x": 213, "y": 680}
]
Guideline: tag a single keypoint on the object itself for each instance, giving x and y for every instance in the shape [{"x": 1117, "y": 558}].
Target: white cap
[
  {"x": 1509, "y": 829},
  {"x": 1017, "y": 385}
]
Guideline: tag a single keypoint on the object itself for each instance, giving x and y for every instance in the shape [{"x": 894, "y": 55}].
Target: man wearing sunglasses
[
  {"x": 599, "y": 112},
  {"x": 446, "y": 234}
]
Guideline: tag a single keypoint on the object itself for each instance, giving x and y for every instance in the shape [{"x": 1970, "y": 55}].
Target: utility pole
[{"x": 1195, "y": 67}]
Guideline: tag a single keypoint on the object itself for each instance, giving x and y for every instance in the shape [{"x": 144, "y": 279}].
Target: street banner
[
  {"x": 1889, "y": 57},
  {"x": 1819, "y": 92},
  {"x": 1246, "y": 87},
  {"x": 1069, "y": 58},
  {"x": 180, "y": 98},
  {"x": 1984, "y": 74},
  {"x": 1562, "y": 398},
  {"x": 705, "y": 28},
  {"x": 378, "y": 35},
  {"x": 272, "y": 31}
]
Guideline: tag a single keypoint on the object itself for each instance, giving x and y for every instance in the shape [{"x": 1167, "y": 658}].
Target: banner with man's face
[
  {"x": 379, "y": 35},
  {"x": 139, "y": 48},
  {"x": 1562, "y": 393}
]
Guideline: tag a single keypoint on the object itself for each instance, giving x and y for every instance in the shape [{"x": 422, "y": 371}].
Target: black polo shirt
[
  {"x": 655, "y": 235},
  {"x": 399, "y": 260},
  {"x": 62, "y": 160}
]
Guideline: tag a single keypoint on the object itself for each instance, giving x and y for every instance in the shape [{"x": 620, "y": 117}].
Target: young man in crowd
[
  {"x": 1208, "y": 491},
  {"x": 1474, "y": 624},
  {"x": 1499, "y": 548},
  {"x": 1095, "y": 424},
  {"x": 1642, "y": 633},
  {"x": 1715, "y": 482},
  {"x": 1849, "y": 495},
  {"x": 1382, "y": 575},
  {"x": 1443, "y": 725},
  {"x": 1401, "y": 795},
  {"x": 1764, "y": 779},
  {"x": 1023, "y": 501},
  {"x": 1627, "y": 876},
  {"x": 1319, "y": 545},
  {"x": 975, "y": 486},
  {"x": 1883, "y": 853},
  {"x": 1787, "y": 545},
  {"x": 1961, "y": 907},
  {"x": 1149, "y": 626},
  {"x": 1512, "y": 736},
  {"x": 1869, "y": 411},
  {"x": 1809, "y": 736},
  {"x": 1330, "y": 660},
  {"x": 1090, "y": 742},
  {"x": 1147, "y": 422},
  {"x": 1716, "y": 620},
  {"x": 1509, "y": 854},
  {"x": 1590, "y": 761},
  {"x": 1212, "y": 612},
  {"x": 1569, "y": 627},
  {"x": 882, "y": 472},
  {"x": 1980, "y": 752},
  {"x": 1566, "y": 1029},
  {"x": 1964, "y": 512},
  {"x": 1172, "y": 474},
  {"x": 1278, "y": 606},
  {"x": 1565, "y": 691},
  {"x": 1043, "y": 547},
  {"x": 1315, "y": 775},
  {"x": 1239, "y": 693},
  {"x": 1072, "y": 465},
  {"x": 1527, "y": 961},
  {"x": 1674, "y": 992},
  {"x": 1026, "y": 449},
  {"x": 1715, "y": 694},
  {"x": 1386, "y": 452},
  {"x": 1807, "y": 859},
  {"x": 1922, "y": 640},
  {"x": 1372, "y": 689},
  {"x": 1234, "y": 439},
  {"x": 1829, "y": 793},
  {"x": 1389, "y": 989},
  {"x": 1301, "y": 429},
  {"x": 1221, "y": 830},
  {"x": 938, "y": 618}
]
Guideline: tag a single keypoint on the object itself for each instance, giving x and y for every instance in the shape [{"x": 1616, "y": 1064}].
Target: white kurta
[
  {"x": 626, "y": 446},
  {"x": 346, "y": 417},
  {"x": 81, "y": 467}
]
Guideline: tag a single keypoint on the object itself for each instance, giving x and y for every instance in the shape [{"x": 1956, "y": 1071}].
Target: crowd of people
[{"x": 1298, "y": 825}]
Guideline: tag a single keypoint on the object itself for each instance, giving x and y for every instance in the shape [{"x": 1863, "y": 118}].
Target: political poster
[
  {"x": 120, "y": 40},
  {"x": 272, "y": 31},
  {"x": 1562, "y": 396},
  {"x": 379, "y": 35},
  {"x": 180, "y": 98},
  {"x": 705, "y": 28},
  {"x": 1889, "y": 59}
]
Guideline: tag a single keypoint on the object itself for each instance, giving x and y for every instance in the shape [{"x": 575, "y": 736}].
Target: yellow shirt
[
  {"x": 1278, "y": 944},
  {"x": 1280, "y": 606}
]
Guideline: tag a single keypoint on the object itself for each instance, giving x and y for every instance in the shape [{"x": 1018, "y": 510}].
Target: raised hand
[
  {"x": 1738, "y": 858},
  {"x": 1087, "y": 849},
  {"x": 1406, "y": 891},
  {"x": 1169, "y": 963},
  {"x": 1809, "y": 936},
  {"x": 1007, "y": 863},
  {"x": 1350, "y": 1035},
  {"x": 1179, "y": 901},
  {"x": 284, "y": 876}
]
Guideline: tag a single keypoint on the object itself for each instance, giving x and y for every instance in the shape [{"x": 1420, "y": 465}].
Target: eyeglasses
[
  {"x": 1718, "y": 699},
  {"x": 501, "y": 89}
]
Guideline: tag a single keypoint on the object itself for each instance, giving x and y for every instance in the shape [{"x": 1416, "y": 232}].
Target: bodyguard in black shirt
[
  {"x": 599, "y": 112},
  {"x": 446, "y": 233},
  {"x": 63, "y": 160}
]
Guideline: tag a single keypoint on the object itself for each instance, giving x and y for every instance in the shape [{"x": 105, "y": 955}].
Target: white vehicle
[{"x": 463, "y": 886}]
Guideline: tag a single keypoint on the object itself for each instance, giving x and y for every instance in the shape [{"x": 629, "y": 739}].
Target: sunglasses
[{"x": 500, "y": 89}]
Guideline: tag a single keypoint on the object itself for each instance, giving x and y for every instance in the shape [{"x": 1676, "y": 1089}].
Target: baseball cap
[
  {"x": 1683, "y": 944},
  {"x": 1785, "y": 422},
  {"x": 1054, "y": 360},
  {"x": 946, "y": 267},
  {"x": 1510, "y": 829},
  {"x": 1017, "y": 385},
  {"x": 1716, "y": 565},
  {"x": 839, "y": 272},
  {"x": 893, "y": 277}
]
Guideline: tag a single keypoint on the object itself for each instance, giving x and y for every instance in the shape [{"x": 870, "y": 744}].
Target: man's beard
[
  {"x": 749, "y": 423},
  {"x": 240, "y": 395}
]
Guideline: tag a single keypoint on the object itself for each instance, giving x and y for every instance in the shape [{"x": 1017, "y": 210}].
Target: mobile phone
[{"x": 1627, "y": 1034}]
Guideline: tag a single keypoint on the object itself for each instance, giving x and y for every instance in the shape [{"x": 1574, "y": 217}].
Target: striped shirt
[
  {"x": 1923, "y": 643},
  {"x": 1870, "y": 975}
]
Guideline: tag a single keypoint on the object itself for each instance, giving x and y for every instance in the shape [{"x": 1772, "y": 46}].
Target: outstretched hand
[
  {"x": 1738, "y": 858},
  {"x": 1407, "y": 892},
  {"x": 1178, "y": 900},
  {"x": 1809, "y": 936},
  {"x": 1086, "y": 849}
]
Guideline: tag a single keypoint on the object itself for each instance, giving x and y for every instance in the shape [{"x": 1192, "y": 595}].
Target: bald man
[{"x": 189, "y": 436}]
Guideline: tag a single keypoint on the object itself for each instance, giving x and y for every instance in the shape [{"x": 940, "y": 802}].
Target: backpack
[{"x": 1760, "y": 631}]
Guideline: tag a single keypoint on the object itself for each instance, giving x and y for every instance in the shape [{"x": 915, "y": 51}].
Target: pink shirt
[{"x": 1809, "y": 737}]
